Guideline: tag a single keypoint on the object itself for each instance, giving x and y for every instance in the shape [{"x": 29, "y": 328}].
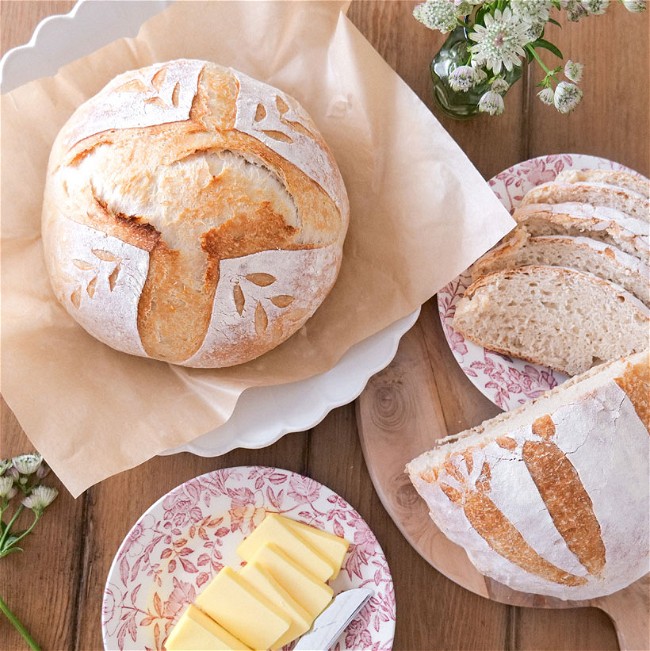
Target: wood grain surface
[{"x": 56, "y": 586}]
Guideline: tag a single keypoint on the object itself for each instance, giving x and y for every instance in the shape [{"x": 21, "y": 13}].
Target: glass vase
[{"x": 454, "y": 53}]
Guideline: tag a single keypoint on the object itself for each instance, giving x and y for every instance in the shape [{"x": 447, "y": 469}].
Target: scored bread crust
[
  {"x": 591, "y": 192},
  {"x": 577, "y": 219},
  {"x": 529, "y": 498},
  {"x": 527, "y": 313},
  {"x": 619, "y": 178},
  {"x": 582, "y": 253},
  {"x": 192, "y": 214}
]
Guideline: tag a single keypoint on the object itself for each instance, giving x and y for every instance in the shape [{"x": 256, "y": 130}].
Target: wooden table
[{"x": 56, "y": 587}]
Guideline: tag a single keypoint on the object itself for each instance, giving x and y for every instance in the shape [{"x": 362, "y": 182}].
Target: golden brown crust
[
  {"x": 635, "y": 381},
  {"x": 567, "y": 501}
]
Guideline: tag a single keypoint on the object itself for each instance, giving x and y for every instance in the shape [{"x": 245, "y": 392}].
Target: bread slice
[
  {"x": 581, "y": 253},
  {"x": 596, "y": 194},
  {"x": 554, "y": 316},
  {"x": 628, "y": 180},
  {"x": 579, "y": 219},
  {"x": 552, "y": 498}
]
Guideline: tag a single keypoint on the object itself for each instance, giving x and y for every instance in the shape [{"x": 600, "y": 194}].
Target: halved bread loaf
[
  {"x": 593, "y": 193},
  {"x": 619, "y": 178},
  {"x": 581, "y": 253},
  {"x": 554, "y": 316},
  {"x": 603, "y": 224},
  {"x": 552, "y": 498}
]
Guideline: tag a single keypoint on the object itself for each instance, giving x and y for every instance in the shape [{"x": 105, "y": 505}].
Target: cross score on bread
[{"x": 201, "y": 207}]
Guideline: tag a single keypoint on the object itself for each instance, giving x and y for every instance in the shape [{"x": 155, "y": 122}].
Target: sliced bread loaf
[
  {"x": 552, "y": 498},
  {"x": 554, "y": 316},
  {"x": 603, "y": 224},
  {"x": 593, "y": 193},
  {"x": 583, "y": 253},
  {"x": 619, "y": 178}
]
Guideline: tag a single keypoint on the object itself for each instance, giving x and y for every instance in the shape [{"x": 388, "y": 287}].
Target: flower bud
[
  {"x": 546, "y": 96},
  {"x": 500, "y": 85},
  {"x": 27, "y": 464},
  {"x": 491, "y": 103},
  {"x": 567, "y": 97},
  {"x": 5, "y": 464},
  {"x": 573, "y": 71},
  {"x": 40, "y": 498},
  {"x": 6, "y": 484},
  {"x": 463, "y": 78},
  {"x": 635, "y": 6}
]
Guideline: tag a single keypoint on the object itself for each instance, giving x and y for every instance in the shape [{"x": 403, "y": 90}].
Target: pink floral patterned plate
[
  {"x": 506, "y": 381},
  {"x": 189, "y": 534}
]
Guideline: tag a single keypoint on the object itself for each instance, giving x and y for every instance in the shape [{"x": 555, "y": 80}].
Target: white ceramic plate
[
  {"x": 506, "y": 381},
  {"x": 263, "y": 414},
  {"x": 188, "y": 535}
]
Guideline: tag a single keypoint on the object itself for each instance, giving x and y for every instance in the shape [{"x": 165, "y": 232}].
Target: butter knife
[{"x": 334, "y": 620}]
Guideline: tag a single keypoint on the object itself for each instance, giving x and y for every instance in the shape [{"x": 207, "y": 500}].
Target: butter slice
[
  {"x": 274, "y": 529},
  {"x": 242, "y": 610},
  {"x": 260, "y": 579},
  {"x": 331, "y": 547},
  {"x": 195, "y": 631},
  {"x": 307, "y": 589}
]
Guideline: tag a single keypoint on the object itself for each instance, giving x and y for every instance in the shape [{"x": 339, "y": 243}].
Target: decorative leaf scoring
[
  {"x": 261, "y": 319},
  {"x": 155, "y": 100},
  {"x": 75, "y": 297},
  {"x": 260, "y": 113},
  {"x": 240, "y": 299},
  {"x": 175, "y": 93},
  {"x": 106, "y": 256},
  {"x": 296, "y": 126},
  {"x": 112, "y": 278},
  {"x": 90, "y": 289},
  {"x": 283, "y": 300},
  {"x": 83, "y": 265},
  {"x": 159, "y": 78},
  {"x": 277, "y": 135},
  {"x": 133, "y": 86},
  {"x": 261, "y": 279},
  {"x": 283, "y": 107}
]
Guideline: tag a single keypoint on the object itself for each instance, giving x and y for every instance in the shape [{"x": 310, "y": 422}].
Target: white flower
[
  {"x": 595, "y": 7},
  {"x": 5, "y": 464},
  {"x": 500, "y": 42},
  {"x": 463, "y": 8},
  {"x": 491, "y": 103},
  {"x": 635, "y": 6},
  {"x": 567, "y": 97},
  {"x": 536, "y": 11},
  {"x": 39, "y": 498},
  {"x": 575, "y": 11},
  {"x": 573, "y": 71},
  {"x": 26, "y": 464},
  {"x": 463, "y": 78},
  {"x": 437, "y": 14},
  {"x": 479, "y": 73},
  {"x": 534, "y": 31},
  {"x": 546, "y": 96},
  {"x": 500, "y": 85},
  {"x": 6, "y": 484}
]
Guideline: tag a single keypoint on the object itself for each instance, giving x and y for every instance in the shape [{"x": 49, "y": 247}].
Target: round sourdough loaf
[{"x": 192, "y": 215}]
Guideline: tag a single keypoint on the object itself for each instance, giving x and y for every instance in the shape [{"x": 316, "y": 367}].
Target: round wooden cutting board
[{"x": 422, "y": 396}]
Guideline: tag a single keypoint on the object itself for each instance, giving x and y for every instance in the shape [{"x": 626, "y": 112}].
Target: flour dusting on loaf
[
  {"x": 552, "y": 498},
  {"x": 197, "y": 177}
]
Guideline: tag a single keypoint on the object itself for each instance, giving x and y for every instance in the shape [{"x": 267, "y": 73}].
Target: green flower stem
[
  {"x": 18, "y": 626},
  {"x": 17, "y": 539},
  {"x": 539, "y": 60},
  {"x": 10, "y": 524}
]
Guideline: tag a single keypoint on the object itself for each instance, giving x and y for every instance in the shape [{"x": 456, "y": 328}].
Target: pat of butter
[
  {"x": 301, "y": 621},
  {"x": 275, "y": 530},
  {"x": 195, "y": 631},
  {"x": 331, "y": 547},
  {"x": 242, "y": 610},
  {"x": 303, "y": 586}
]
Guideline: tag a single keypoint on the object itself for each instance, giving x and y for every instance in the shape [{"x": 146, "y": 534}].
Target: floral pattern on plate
[
  {"x": 506, "y": 381},
  {"x": 188, "y": 535}
]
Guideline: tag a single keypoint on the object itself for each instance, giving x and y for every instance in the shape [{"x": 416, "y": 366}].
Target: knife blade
[{"x": 334, "y": 620}]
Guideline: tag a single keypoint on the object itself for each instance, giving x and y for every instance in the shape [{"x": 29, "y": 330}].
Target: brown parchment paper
[{"x": 420, "y": 214}]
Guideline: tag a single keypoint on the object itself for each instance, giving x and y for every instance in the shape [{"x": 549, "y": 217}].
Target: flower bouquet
[{"x": 489, "y": 43}]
